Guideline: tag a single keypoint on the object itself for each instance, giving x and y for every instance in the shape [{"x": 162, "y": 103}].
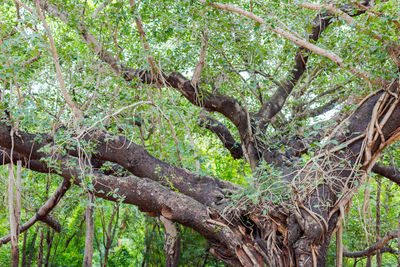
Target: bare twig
[{"x": 30, "y": 61}]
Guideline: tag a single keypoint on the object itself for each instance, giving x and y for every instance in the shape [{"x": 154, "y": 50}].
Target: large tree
[{"x": 307, "y": 94}]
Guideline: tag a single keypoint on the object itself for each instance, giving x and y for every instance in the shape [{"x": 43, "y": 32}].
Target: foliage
[{"x": 238, "y": 51}]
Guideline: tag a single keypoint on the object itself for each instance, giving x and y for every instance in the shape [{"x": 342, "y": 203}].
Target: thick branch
[
  {"x": 276, "y": 102},
  {"x": 390, "y": 172},
  {"x": 148, "y": 195},
  {"x": 278, "y": 99},
  {"x": 132, "y": 157},
  {"x": 224, "y": 135}
]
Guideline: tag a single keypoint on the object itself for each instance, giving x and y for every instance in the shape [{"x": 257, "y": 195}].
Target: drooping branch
[
  {"x": 76, "y": 111},
  {"x": 374, "y": 248},
  {"x": 223, "y": 134}
]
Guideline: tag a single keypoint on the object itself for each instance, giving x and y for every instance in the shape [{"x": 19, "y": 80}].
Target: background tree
[{"x": 255, "y": 124}]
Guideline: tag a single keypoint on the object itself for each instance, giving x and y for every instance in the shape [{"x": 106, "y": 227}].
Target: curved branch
[
  {"x": 148, "y": 195},
  {"x": 372, "y": 249},
  {"x": 131, "y": 156},
  {"x": 223, "y": 134},
  {"x": 43, "y": 212}
]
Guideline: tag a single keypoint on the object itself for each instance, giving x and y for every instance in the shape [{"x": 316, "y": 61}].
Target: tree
[{"x": 311, "y": 129}]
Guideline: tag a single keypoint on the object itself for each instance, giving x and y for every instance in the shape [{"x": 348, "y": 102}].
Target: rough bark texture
[{"x": 172, "y": 243}]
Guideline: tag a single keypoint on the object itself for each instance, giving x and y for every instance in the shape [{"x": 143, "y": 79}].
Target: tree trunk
[
  {"x": 40, "y": 250},
  {"x": 49, "y": 239},
  {"x": 110, "y": 232},
  {"x": 88, "y": 255},
  {"x": 23, "y": 260},
  {"x": 31, "y": 251},
  {"x": 378, "y": 220},
  {"x": 14, "y": 202},
  {"x": 297, "y": 231},
  {"x": 172, "y": 243}
]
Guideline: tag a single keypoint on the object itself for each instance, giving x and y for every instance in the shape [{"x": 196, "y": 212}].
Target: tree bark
[
  {"x": 31, "y": 251},
  {"x": 378, "y": 220},
  {"x": 49, "y": 239},
  {"x": 172, "y": 243},
  {"x": 89, "y": 216},
  {"x": 292, "y": 231},
  {"x": 23, "y": 259},
  {"x": 14, "y": 202}
]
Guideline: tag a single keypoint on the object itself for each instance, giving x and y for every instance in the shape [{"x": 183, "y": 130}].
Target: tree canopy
[{"x": 199, "y": 133}]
